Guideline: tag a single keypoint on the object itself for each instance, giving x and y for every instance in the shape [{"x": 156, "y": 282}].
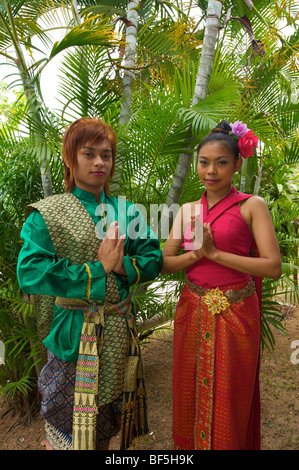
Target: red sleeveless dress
[{"x": 216, "y": 402}]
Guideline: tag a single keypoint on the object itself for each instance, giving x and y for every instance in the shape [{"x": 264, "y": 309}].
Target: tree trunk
[
  {"x": 129, "y": 61},
  {"x": 128, "y": 81},
  {"x": 257, "y": 183},
  {"x": 200, "y": 92},
  {"x": 32, "y": 101},
  {"x": 243, "y": 175}
]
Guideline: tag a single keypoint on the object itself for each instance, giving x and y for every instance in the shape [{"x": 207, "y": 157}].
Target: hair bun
[{"x": 222, "y": 127}]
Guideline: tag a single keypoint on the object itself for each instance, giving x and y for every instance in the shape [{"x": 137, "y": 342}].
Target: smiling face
[
  {"x": 94, "y": 165},
  {"x": 216, "y": 166}
]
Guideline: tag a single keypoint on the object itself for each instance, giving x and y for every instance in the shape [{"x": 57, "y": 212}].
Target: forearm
[
  {"x": 61, "y": 279},
  {"x": 176, "y": 263},
  {"x": 142, "y": 267},
  {"x": 262, "y": 267}
]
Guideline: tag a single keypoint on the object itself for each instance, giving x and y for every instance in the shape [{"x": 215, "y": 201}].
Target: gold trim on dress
[
  {"x": 137, "y": 270},
  {"x": 105, "y": 221},
  {"x": 88, "y": 281}
]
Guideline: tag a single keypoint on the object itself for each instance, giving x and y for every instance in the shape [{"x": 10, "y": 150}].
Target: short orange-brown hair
[{"x": 80, "y": 132}]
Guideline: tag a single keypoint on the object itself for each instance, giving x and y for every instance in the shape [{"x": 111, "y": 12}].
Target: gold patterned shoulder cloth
[{"x": 43, "y": 304}]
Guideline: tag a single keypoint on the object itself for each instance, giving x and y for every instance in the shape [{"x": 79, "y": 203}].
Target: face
[
  {"x": 94, "y": 164},
  {"x": 216, "y": 166}
]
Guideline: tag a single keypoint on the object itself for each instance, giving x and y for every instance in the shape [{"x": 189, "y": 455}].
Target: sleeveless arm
[{"x": 39, "y": 271}]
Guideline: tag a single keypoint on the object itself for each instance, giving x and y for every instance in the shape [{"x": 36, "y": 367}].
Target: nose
[
  {"x": 98, "y": 160},
  {"x": 211, "y": 169}
]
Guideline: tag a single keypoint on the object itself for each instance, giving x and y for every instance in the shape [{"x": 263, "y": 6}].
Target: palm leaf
[
  {"x": 95, "y": 90},
  {"x": 271, "y": 315},
  {"x": 92, "y": 31}
]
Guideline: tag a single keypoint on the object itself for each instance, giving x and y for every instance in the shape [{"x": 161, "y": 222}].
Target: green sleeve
[
  {"x": 39, "y": 271},
  {"x": 143, "y": 259}
]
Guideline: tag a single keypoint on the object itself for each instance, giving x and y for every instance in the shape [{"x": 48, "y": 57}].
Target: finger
[
  {"x": 209, "y": 229},
  {"x": 121, "y": 241},
  {"x": 111, "y": 233}
]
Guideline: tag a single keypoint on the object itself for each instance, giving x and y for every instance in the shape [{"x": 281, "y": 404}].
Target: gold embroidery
[
  {"x": 88, "y": 282},
  {"x": 104, "y": 217},
  {"x": 216, "y": 301},
  {"x": 138, "y": 273},
  {"x": 233, "y": 296}
]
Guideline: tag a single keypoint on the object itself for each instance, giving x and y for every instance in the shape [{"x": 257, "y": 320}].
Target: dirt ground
[{"x": 279, "y": 394}]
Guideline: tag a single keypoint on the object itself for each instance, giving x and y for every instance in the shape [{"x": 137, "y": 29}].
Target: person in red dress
[{"x": 217, "y": 325}]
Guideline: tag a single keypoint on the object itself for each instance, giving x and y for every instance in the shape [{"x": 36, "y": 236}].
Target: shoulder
[
  {"x": 254, "y": 209},
  {"x": 34, "y": 226},
  {"x": 50, "y": 200},
  {"x": 255, "y": 203},
  {"x": 257, "y": 213},
  {"x": 48, "y": 204},
  {"x": 34, "y": 218}
]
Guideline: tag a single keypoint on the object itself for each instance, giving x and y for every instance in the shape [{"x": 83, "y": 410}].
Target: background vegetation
[{"x": 162, "y": 77}]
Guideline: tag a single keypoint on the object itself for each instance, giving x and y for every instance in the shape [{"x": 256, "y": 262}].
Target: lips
[
  {"x": 211, "y": 181},
  {"x": 98, "y": 173}
]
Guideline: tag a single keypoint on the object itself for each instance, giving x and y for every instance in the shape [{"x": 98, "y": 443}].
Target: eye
[
  {"x": 107, "y": 156},
  {"x": 222, "y": 162},
  {"x": 202, "y": 162}
]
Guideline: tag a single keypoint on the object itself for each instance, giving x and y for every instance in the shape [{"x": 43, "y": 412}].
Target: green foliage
[
  {"x": 84, "y": 89},
  {"x": 257, "y": 86}
]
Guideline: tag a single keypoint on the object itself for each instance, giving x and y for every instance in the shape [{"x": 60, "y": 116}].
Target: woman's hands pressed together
[{"x": 208, "y": 248}]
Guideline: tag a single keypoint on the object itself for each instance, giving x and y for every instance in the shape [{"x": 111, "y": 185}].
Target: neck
[
  {"x": 97, "y": 191},
  {"x": 214, "y": 197}
]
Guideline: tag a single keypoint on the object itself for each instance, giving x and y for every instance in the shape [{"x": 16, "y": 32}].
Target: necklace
[{"x": 212, "y": 205}]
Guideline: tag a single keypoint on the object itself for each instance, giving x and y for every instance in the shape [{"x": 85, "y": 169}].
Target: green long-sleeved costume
[{"x": 40, "y": 272}]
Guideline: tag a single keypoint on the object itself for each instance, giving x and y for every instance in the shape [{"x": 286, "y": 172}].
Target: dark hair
[
  {"x": 82, "y": 131},
  {"x": 221, "y": 133}
]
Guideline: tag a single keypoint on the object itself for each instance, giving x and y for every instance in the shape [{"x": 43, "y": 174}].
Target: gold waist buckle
[{"x": 216, "y": 300}]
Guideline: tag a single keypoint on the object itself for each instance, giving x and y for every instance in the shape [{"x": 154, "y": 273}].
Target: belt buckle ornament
[{"x": 216, "y": 301}]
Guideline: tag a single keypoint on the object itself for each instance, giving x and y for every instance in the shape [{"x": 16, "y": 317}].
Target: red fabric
[
  {"x": 216, "y": 401},
  {"x": 231, "y": 233},
  {"x": 214, "y": 373}
]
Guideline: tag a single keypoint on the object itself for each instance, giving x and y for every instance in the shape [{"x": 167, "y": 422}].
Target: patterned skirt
[
  {"x": 216, "y": 366},
  {"x": 56, "y": 385}
]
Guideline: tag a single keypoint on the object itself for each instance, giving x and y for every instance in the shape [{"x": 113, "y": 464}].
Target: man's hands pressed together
[{"x": 111, "y": 250}]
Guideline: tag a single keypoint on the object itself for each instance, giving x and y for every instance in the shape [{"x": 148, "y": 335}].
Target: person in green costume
[{"x": 82, "y": 250}]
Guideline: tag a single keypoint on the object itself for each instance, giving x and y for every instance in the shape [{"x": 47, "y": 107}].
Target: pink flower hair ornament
[{"x": 246, "y": 139}]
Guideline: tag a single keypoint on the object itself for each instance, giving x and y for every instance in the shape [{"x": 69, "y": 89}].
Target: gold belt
[{"x": 216, "y": 300}]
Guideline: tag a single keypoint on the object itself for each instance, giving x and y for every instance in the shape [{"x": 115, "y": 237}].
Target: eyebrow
[
  {"x": 218, "y": 158},
  {"x": 92, "y": 148}
]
